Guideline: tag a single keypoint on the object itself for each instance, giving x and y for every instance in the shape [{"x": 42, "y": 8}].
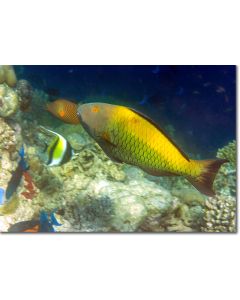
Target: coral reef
[
  {"x": 10, "y": 143},
  {"x": 9, "y": 103},
  {"x": 91, "y": 193},
  {"x": 25, "y": 94},
  {"x": 220, "y": 214},
  {"x": 229, "y": 152},
  {"x": 7, "y": 75},
  {"x": 31, "y": 191},
  {"x": 225, "y": 182}
]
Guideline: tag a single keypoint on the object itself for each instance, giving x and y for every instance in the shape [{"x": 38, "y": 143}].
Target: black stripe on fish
[
  {"x": 67, "y": 153},
  {"x": 50, "y": 154}
]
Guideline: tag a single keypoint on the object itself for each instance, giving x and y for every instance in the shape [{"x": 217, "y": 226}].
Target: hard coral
[
  {"x": 229, "y": 152},
  {"x": 7, "y": 75},
  {"x": 220, "y": 214},
  {"x": 25, "y": 93},
  {"x": 225, "y": 182},
  {"x": 8, "y": 101},
  {"x": 9, "y": 145}
]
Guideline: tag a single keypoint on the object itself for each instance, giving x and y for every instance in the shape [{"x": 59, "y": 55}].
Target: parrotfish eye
[{"x": 95, "y": 109}]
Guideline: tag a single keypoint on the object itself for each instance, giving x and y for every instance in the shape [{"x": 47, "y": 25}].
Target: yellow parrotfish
[
  {"x": 126, "y": 135},
  {"x": 64, "y": 110},
  {"x": 59, "y": 151}
]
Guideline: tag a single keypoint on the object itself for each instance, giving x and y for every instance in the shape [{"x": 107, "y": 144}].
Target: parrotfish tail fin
[{"x": 204, "y": 182}]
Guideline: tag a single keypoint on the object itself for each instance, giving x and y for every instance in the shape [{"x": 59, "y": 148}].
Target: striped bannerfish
[
  {"x": 129, "y": 136},
  {"x": 59, "y": 151}
]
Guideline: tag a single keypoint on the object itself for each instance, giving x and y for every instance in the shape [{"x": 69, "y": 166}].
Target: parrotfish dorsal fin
[{"x": 161, "y": 130}]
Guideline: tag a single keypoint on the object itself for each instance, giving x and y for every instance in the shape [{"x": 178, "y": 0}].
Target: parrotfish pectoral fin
[
  {"x": 105, "y": 143},
  {"x": 106, "y": 149},
  {"x": 204, "y": 183}
]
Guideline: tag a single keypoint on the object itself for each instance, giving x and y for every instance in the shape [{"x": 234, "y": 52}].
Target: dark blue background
[{"x": 199, "y": 101}]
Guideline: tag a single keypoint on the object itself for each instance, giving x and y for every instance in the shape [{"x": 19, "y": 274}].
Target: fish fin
[
  {"x": 161, "y": 130},
  {"x": 106, "y": 138},
  {"x": 24, "y": 226},
  {"x": 105, "y": 148},
  {"x": 45, "y": 224},
  {"x": 114, "y": 159},
  {"x": 204, "y": 182},
  {"x": 45, "y": 147},
  {"x": 106, "y": 144},
  {"x": 54, "y": 221},
  {"x": 158, "y": 173},
  {"x": 43, "y": 129}
]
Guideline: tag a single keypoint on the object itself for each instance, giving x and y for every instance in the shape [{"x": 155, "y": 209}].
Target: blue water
[{"x": 199, "y": 101}]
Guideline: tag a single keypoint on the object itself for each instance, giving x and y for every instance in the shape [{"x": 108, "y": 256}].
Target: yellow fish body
[{"x": 128, "y": 136}]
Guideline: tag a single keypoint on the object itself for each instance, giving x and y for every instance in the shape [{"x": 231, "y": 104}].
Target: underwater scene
[{"x": 117, "y": 148}]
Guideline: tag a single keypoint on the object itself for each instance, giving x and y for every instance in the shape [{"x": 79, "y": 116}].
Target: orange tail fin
[{"x": 204, "y": 183}]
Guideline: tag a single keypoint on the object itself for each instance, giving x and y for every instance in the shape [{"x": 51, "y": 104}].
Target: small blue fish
[
  {"x": 45, "y": 223},
  {"x": 17, "y": 175},
  {"x": 2, "y": 193},
  {"x": 23, "y": 162},
  {"x": 54, "y": 220}
]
